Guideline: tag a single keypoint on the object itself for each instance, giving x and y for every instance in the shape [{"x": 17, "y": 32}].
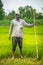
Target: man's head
[{"x": 17, "y": 15}]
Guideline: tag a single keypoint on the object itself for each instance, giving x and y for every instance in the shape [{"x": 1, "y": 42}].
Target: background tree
[
  {"x": 22, "y": 12},
  {"x": 11, "y": 15},
  {"x": 2, "y": 13},
  {"x": 26, "y": 13}
]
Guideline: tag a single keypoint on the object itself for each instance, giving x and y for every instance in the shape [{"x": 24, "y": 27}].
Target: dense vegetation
[{"x": 26, "y": 13}]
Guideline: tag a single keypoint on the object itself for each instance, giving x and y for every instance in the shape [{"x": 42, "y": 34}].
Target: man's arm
[
  {"x": 28, "y": 25},
  {"x": 10, "y": 31}
]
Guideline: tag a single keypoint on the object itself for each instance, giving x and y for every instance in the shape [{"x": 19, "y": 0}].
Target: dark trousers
[{"x": 15, "y": 41}]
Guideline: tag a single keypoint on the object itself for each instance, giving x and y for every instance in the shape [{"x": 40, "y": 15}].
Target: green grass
[
  {"x": 29, "y": 44},
  {"x": 29, "y": 47}
]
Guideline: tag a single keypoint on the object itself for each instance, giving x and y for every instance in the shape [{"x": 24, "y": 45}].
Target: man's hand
[{"x": 9, "y": 37}]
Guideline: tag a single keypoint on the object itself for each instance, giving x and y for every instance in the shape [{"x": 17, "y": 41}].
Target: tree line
[{"x": 26, "y": 13}]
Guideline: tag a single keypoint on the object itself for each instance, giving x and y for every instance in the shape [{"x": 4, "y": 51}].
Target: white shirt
[{"x": 16, "y": 27}]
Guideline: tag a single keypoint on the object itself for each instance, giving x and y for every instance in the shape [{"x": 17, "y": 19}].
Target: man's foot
[
  {"x": 12, "y": 57},
  {"x": 21, "y": 57}
]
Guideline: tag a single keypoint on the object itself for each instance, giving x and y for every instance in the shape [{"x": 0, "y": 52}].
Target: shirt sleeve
[
  {"x": 11, "y": 28},
  {"x": 27, "y": 24}
]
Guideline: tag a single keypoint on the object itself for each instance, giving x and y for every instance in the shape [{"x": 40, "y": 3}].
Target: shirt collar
[{"x": 17, "y": 20}]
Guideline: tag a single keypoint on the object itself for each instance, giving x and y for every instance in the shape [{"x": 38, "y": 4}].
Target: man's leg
[
  {"x": 20, "y": 46},
  {"x": 14, "y": 44},
  {"x": 21, "y": 53}
]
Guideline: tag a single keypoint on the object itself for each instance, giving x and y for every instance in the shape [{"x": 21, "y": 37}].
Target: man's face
[{"x": 17, "y": 16}]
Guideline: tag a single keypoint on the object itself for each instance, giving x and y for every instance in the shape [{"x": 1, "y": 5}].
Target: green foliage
[
  {"x": 5, "y": 22},
  {"x": 2, "y": 13},
  {"x": 39, "y": 16},
  {"x": 29, "y": 44},
  {"x": 11, "y": 15},
  {"x": 25, "y": 11},
  {"x": 39, "y": 21}
]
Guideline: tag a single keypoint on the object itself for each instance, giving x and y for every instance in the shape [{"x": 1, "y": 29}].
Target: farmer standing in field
[{"x": 16, "y": 28}]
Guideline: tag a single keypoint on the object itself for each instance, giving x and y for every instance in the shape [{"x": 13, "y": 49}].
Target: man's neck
[{"x": 18, "y": 19}]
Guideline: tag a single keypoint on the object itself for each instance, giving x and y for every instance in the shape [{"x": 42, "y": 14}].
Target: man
[{"x": 16, "y": 28}]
